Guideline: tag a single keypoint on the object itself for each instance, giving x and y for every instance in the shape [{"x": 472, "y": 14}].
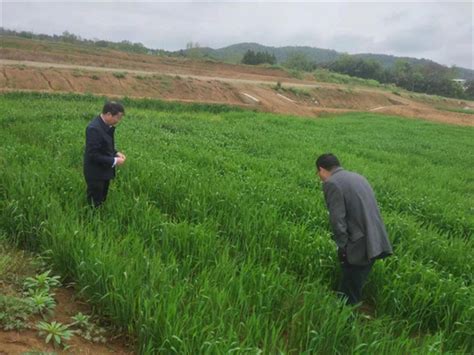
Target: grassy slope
[{"x": 215, "y": 235}]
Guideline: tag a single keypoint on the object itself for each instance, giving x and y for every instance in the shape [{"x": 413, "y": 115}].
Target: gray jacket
[{"x": 355, "y": 217}]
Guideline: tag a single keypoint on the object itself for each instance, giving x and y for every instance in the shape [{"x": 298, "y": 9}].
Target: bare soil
[
  {"x": 41, "y": 66},
  {"x": 21, "y": 265},
  {"x": 19, "y": 342}
]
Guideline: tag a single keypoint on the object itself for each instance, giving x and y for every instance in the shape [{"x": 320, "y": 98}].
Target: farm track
[{"x": 326, "y": 97}]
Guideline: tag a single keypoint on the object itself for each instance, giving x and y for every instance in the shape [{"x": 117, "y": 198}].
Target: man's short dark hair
[
  {"x": 113, "y": 108},
  {"x": 327, "y": 161}
]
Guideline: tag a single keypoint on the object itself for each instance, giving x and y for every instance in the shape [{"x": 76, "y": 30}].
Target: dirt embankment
[
  {"x": 56, "y": 68},
  {"x": 262, "y": 94},
  {"x": 121, "y": 60}
]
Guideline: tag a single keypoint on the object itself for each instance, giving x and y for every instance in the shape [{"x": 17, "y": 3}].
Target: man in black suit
[
  {"x": 100, "y": 156},
  {"x": 358, "y": 228}
]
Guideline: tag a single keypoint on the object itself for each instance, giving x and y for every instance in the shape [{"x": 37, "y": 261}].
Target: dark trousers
[
  {"x": 353, "y": 279},
  {"x": 97, "y": 191}
]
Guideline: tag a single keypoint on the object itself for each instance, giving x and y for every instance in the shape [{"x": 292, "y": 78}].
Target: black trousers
[
  {"x": 97, "y": 191},
  {"x": 353, "y": 279}
]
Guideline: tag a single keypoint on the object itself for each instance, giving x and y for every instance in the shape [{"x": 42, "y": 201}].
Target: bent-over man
[{"x": 357, "y": 225}]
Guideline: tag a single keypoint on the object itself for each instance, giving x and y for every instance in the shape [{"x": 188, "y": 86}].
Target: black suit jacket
[{"x": 100, "y": 151}]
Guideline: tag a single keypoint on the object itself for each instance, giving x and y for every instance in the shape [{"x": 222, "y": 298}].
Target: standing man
[
  {"x": 100, "y": 156},
  {"x": 356, "y": 223}
]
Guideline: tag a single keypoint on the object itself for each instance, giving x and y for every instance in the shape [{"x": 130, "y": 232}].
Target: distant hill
[
  {"x": 467, "y": 74},
  {"x": 235, "y": 52},
  {"x": 388, "y": 61}
]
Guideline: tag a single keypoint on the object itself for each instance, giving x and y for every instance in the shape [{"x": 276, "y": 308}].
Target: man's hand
[
  {"x": 121, "y": 155},
  {"x": 120, "y": 160},
  {"x": 341, "y": 253}
]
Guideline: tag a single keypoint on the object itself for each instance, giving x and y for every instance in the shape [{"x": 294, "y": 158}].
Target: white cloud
[{"x": 440, "y": 30}]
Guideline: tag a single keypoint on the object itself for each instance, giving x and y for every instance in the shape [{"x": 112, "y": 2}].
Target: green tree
[
  {"x": 249, "y": 58},
  {"x": 469, "y": 91},
  {"x": 252, "y": 58},
  {"x": 299, "y": 61}
]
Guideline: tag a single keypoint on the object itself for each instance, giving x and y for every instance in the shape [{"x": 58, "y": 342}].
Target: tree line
[
  {"x": 67, "y": 37},
  {"x": 429, "y": 78},
  {"x": 253, "y": 58}
]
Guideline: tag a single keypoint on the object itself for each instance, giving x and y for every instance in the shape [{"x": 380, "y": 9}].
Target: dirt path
[
  {"x": 303, "y": 84},
  {"x": 258, "y": 90},
  {"x": 293, "y": 82}
]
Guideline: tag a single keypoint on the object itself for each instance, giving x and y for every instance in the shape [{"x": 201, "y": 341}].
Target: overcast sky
[{"x": 441, "y": 31}]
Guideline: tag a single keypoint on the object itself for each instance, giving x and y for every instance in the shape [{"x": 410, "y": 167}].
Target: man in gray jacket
[{"x": 357, "y": 225}]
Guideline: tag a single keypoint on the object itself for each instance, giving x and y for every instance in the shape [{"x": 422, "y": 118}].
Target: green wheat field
[{"x": 215, "y": 237}]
